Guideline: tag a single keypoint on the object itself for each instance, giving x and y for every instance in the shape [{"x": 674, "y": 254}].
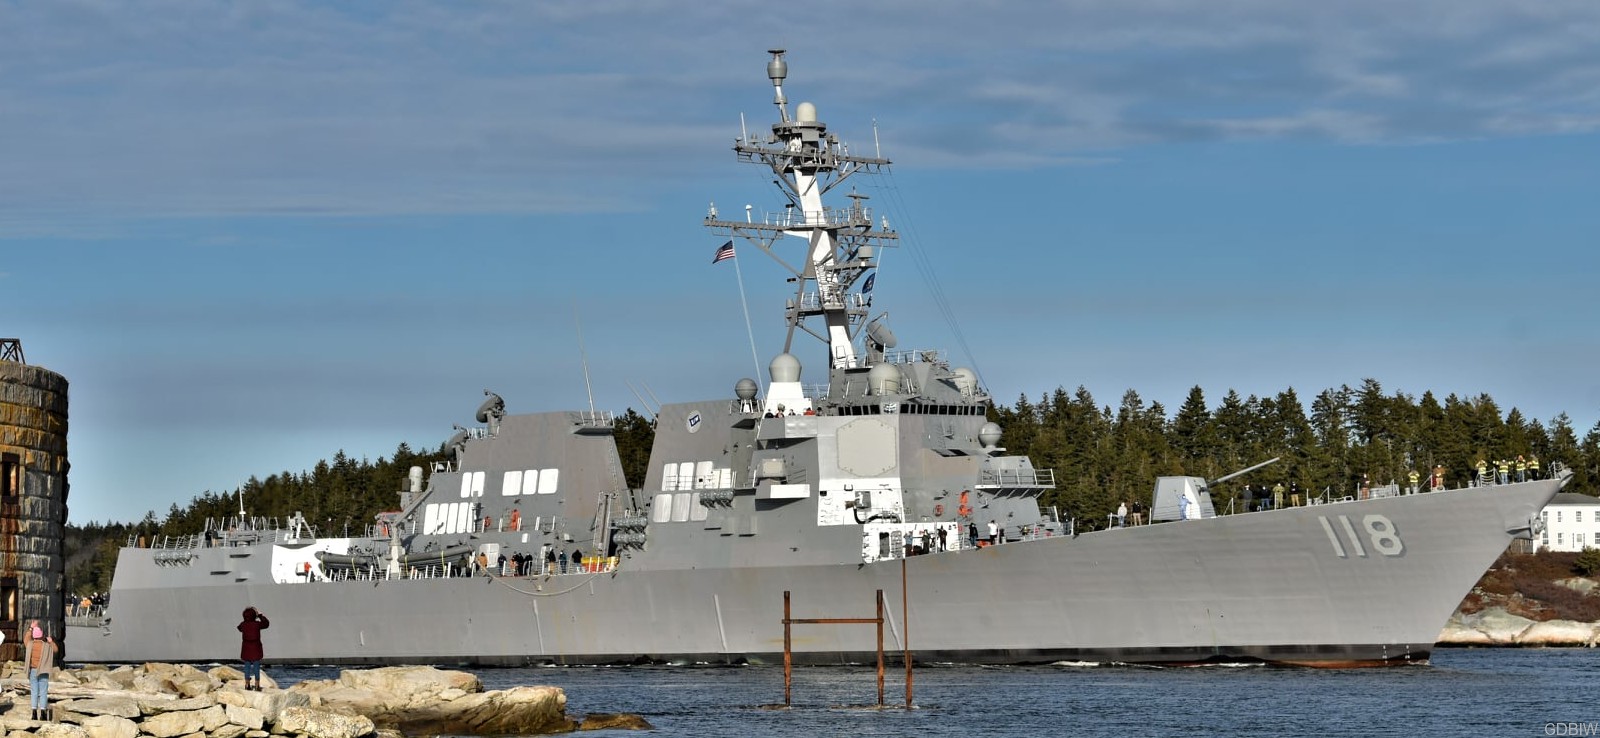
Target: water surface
[{"x": 1480, "y": 692}]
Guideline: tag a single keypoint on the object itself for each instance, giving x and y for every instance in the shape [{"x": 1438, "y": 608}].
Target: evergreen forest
[{"x": 1102, "y": 454}]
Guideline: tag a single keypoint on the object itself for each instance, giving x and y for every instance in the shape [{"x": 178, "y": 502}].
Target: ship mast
[{"x": 841, "y": 243}]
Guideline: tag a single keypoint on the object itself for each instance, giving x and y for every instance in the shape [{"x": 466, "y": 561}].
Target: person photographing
[
  {"x": 250, "y": 651},
  {"x": 40, "y": 651}
]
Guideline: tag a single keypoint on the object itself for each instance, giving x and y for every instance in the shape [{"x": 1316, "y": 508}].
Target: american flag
[{"x": 725, "y": 251}]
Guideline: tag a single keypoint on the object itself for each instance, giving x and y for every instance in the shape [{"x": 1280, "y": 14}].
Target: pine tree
[{"x": 1192, "y": 436}]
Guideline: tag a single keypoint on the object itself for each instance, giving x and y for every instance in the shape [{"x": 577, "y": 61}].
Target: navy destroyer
[{"x": 527, "y": 546}]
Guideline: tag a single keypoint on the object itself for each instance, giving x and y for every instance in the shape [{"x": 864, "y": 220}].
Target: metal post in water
[
  {"x": 880, "y": 648},
  {"x": 788, "y": 643},
  {"x": 787, "y": 663},
  {"x": 905, "y": 625}
]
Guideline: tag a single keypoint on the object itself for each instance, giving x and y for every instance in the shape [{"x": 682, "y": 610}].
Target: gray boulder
[
  {"x": 515, "y": 711},
  {"x": 1559, "y": 633},
  {"x": 155, "y": 705},
  {"x": 173, "y": 724},
  {"x": 110, "y": 726},
  {"x": 269, "y": 704},
  {"x": 322, "y": 723},
  {"x": 410, "y": 680},
  {"x": 244, "y": 715},
  {"x": 60, "y": 730},
  {"x": 119, "y": 706},
  {"x": 614, "y": 721}
]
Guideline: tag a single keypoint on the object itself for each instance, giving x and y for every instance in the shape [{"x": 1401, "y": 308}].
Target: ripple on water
[{"x": 1477, "y": 692}]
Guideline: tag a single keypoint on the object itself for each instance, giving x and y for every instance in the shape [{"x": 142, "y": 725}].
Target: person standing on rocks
[
  {"x": 40, "y": 651},
  {"x": 250, "y": 651}
]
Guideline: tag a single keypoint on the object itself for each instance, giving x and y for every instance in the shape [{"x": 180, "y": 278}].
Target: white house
[{"x": 1571, "y": 523}]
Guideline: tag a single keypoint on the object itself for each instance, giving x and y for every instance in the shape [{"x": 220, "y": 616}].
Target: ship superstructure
[{"x": 528, "y": 546}]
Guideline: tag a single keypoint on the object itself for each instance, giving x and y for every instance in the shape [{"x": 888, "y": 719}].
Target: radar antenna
[{"x": 841, "y": 243}]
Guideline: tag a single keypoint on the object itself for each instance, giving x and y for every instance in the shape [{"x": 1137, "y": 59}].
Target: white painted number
[{"x": 1381, "y": 535}]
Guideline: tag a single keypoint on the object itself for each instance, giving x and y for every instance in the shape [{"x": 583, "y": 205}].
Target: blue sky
[{"x": 254, "y": 234}]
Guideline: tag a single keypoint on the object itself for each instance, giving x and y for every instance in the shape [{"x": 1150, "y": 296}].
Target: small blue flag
[{"x": 867, "y": 288}]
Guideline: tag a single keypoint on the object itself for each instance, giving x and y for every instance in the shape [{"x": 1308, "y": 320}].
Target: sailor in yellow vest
[
  {"x": 1504, "y": 467},
  {"x": 1483, "y": 472},
  {"x": 1413, "y": 477},
  {"x": 1522, "y": 469},
  {"x": 1533, "y": 466},
  {"x": 1438, "y": 478}
]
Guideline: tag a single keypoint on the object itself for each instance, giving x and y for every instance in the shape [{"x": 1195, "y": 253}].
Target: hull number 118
[{"x": 1381, "y": 537}]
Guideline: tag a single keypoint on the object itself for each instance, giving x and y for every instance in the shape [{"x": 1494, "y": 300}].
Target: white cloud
[{"x": 200, "y": 108}]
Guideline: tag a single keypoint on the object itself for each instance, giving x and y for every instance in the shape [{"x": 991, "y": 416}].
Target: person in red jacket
[{"x": 250, "y": 652}]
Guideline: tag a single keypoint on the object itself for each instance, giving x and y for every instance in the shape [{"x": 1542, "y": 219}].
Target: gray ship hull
[{"x": 1284, "y": 586}]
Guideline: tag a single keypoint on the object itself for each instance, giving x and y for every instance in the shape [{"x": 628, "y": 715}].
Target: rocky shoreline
[
  {"x": 181, "y": 701},
  {"x": 1495, "y": 626},
  {"x": 1528, "y": 600}
]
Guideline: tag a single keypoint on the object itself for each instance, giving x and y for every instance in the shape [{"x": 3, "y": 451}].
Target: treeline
[{"x": 1103, "y": 454}]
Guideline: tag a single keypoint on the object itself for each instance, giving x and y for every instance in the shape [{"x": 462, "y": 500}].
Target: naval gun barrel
[{"x": 1245, "y": 470}]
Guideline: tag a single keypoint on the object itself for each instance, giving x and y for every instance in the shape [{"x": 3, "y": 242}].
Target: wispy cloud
[{"x": 188, "y": 108}]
